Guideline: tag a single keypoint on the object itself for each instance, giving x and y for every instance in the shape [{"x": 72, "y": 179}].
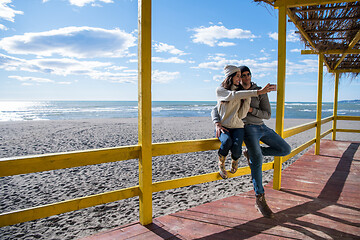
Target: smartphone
[{"x": 273, "y": 87}]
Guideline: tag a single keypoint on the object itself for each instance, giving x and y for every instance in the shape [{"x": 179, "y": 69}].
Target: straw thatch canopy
[{"x": 331, "y": 29}]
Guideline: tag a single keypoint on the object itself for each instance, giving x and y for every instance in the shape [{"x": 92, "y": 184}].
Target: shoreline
[{"x": 39, "y": 137}]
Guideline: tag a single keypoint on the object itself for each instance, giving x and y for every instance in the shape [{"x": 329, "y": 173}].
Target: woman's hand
[
  {"x": 266, "y": 89},
  {"x": 219, "y": 129}
]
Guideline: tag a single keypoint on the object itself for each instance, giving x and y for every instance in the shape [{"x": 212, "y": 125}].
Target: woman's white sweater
[{"x": 230, "y": 107}]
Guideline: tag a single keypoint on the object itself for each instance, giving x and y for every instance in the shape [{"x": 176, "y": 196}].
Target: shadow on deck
[{"x": 319, "y": 199}]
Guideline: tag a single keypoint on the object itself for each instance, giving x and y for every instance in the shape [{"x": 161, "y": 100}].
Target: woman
[
  {"x": 255, "y": 131},
  {"x": 232, "y": 106}
]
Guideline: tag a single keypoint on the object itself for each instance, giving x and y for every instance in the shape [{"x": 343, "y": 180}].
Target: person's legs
[
  {"x": 237, "y": 135},
  {"x": 252, "y": 136},
  {"x": 277, "y": 146},
  {"x": 226, "y": 144}
]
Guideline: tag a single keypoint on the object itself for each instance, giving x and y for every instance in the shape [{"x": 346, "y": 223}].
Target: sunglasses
[{"x": 246, "y": 75}]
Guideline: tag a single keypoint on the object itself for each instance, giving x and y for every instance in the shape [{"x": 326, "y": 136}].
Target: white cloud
[
  {"x": 218, "y": 61},
  {"x": 211, "y": 35},
  {"x": 65, "y": 67},
  {"x": 302, "y": 83},
  {"x": 163, "y": 47},
  {"x": 168, "y": 60},
  {"x": 295, "y": 50},
  {"x": 64, "y": 83},
  {"x": 32, "y": 79},
  {"x": 302, "y": 67},
  {"x": 291, "y": 37},
  {"x": 6, "y": 12},
  {"x": 273, "y": 35},
  {"x": 68, "y": 66},
  {"x": 78, "y": 42},
  {"x": 261, "y": 68},
  {"x": 117, "y": 68},
  {"x": 226, "y": 44},
  {"x": 164, "y": 76},
  {"x": 122, "y": 77},
  {"x": 3, "y": 27},
  {"x": 82, "y": 3},
  {"x": 218, "y": 78}
]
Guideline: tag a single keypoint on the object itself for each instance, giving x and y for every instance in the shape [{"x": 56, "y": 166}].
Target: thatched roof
[{"x": 332, "y": 29}]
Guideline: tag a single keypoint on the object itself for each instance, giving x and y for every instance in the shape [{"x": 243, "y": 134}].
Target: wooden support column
[
  {"x": 144, "y": 118},
  {"x": 319, "y": 104},
  {"x": 336, "y": 94},
  {"x": 280, "y": 100}
]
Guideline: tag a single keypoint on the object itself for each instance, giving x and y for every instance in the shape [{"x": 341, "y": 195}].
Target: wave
[{"x": 67, "y": 110}]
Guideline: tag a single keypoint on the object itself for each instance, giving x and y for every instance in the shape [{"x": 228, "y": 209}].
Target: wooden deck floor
[{"x": 319, "y": 199}]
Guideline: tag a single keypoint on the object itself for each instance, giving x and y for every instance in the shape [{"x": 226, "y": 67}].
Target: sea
[{"x": 70, "y": 110}]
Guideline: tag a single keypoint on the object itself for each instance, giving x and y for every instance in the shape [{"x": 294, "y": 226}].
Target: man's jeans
[
  {"x": 231, "y": 140},
  {"x": 276, "y": 147}
]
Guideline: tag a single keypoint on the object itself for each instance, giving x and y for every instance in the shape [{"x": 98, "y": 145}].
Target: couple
[{"x": 238, "y": 116}]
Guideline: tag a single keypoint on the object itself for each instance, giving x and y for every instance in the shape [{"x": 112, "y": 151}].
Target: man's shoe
[{"x": 262, "y": 206}]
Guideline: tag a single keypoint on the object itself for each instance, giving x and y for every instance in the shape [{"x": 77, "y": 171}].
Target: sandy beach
[{"x": 39, "y": 137}]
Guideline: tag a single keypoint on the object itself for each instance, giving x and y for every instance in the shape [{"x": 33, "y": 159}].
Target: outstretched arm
[{"x": 223, "y": 94}]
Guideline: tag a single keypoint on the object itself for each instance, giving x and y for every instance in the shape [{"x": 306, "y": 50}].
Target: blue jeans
[
  {"x": 276, "y": 147},
  {"x": 231, "y": 140}
]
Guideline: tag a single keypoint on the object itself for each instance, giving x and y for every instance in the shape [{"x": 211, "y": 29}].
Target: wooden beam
[
  {"x": 335, "y": 51},
  {"x": 326, "y": 19},
  {"x": 144, "y": 119},
  {"x": 280, "y": 98},
  {"x": 351, "y": 45},
  {"x": 302, "y": 3},
  {"x": 319, "y": 104},
  {"x": 329, "y": 30},
  {"x": 336, "y": 99},
  {"x": 324, "y": 8},
  {"x": 352, "y": 70}
]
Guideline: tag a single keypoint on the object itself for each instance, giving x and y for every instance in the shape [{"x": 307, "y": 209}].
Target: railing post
[
  {"x": 336, "y": 93},
  {"x": 144, "y": 118},
  {"x": 280, "y": 98},
  {"x": 319, "y": 104}
]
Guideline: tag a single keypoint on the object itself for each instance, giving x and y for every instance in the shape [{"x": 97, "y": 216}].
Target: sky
[{"x": 87, "y": 50}]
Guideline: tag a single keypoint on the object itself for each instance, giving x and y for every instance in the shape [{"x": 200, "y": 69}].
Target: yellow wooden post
[
  {"x": 144, "y": 118},
  {"x": 319, "y": 104},
  {"x": 280, "y": 101},
  {"x": 336, "y": 93}
]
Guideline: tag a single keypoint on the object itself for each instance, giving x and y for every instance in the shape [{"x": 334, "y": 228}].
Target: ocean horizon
[{"x": 70, "y": 110}]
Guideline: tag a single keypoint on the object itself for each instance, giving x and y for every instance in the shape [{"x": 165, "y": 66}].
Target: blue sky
[{"x": 87, "y": 50}]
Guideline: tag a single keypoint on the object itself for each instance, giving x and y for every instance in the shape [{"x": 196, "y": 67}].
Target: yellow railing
[{"x": 46, "y": 162}]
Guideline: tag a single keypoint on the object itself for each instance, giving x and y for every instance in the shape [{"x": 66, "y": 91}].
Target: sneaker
[
  {"x": 262, "y": 206},
  {"x": 234, "y": 166},
  {"x": 222, "y": 169},
  {"x": 246, "y": 155}
]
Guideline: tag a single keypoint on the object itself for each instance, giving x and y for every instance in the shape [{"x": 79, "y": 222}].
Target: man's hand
[{"x": 220, "y": 129}]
